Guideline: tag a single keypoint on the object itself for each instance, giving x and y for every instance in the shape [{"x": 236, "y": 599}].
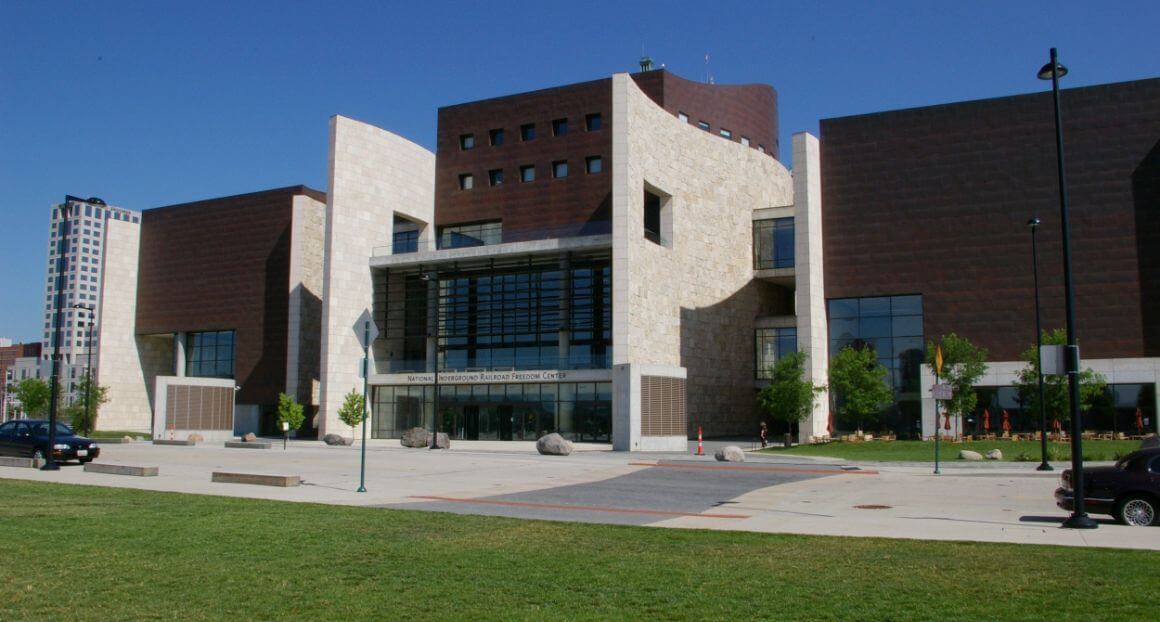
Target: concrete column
[
  {"x": 810, "y": 302},
  {"x": 179, "y": 354}
]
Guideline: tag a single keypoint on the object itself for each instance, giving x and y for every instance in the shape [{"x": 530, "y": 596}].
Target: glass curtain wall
[
  {"x": 773, "y": 243},
  {"x": 581, "y": 411},
  {"x": 892, "y": 327}
]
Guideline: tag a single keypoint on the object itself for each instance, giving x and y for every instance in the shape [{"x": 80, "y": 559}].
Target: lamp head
[
  {"x": 1045, "y": 71},
  {"x": 1033, "y": 223},
  {"x": 429, "y": 276}
]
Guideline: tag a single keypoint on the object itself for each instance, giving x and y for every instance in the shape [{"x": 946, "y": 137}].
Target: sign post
[
  {"x": 938, "y": 363},
  {"x": 365, "y": 322}
]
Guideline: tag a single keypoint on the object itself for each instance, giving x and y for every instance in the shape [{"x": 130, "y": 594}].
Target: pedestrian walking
[{"x": 763, "y": 434}]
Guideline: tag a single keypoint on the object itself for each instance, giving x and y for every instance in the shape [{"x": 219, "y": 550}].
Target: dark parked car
[
  {"x": 1129, "y": 491},
  {"x": 29, "y": 438}
]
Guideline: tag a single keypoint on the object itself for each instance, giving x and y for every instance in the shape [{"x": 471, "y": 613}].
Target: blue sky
[{"x": 147, "y": 104}]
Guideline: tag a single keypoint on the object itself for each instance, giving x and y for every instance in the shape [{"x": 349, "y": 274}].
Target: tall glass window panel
[
  {"x": 772, "y": 344},
  {"x": 773, "y": 243}
]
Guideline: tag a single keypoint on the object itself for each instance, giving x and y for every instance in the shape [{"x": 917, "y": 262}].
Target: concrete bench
[
  {"x": 120, "y": 469},
  {"x": 245, "y": 445},
  {"x": 27, "y": 463},
  {"x": 284, "y": 481},
  {"x": 183, "y": 443}
]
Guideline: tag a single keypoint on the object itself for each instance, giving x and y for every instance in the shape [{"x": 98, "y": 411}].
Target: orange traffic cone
[{"x": 700, "y": 445}]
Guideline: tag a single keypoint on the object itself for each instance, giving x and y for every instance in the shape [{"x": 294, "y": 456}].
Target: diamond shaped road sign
[{"x": 364, "y": 323}]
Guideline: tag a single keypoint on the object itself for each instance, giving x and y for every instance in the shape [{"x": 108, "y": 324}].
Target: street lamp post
[
  {"x": 1079, "y": 519},
  {"x": 89, "y": 363},
  {"x": 62, "y": 264},
  {"x": 1043, "y": 466},
  {"x": 432, "y": 277}
]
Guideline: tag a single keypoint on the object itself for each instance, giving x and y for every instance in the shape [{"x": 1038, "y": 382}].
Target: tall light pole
[
  {"x": 62, "y": 264},
  {"x": 89, "y": 363},
  {"x": 1079, "y": 519},
  {"x": 433, "y": 278},
  {"x": 1043, "y": 466}
]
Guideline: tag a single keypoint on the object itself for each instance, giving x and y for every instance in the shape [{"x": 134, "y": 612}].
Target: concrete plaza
[{"x": 990, "y": 502}]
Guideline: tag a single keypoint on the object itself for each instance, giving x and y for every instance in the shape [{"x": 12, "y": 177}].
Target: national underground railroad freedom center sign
[{"x": 496, "y": 377}]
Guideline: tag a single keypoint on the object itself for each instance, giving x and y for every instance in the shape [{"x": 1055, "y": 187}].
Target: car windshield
[{"x": 41, "y": 429}]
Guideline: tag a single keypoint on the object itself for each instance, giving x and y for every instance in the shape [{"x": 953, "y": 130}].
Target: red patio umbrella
[
  {"x": 1055, "y": 425},
  {"x": 986, "y": 420},
  {"x": 1139, "y": 422},
  {"x": 1006, "y": 422},
  {"x": 830, "y": 423},
  {"x": 946, "y": 421}
]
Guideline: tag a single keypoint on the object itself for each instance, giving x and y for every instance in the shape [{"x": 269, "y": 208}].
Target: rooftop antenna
[
  {"x": 708, "y": 76},
  {"x": 646, "y": 63}
]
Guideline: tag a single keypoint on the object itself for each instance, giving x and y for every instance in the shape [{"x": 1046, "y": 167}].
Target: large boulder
[
  {"x": 1150, "y": 441},
  {"x": 994, "y": 454},
  {"x": 967, "y": 454},
  {"x": 730, "y": 453},
  {"x": 126, "y": 439},
  {"x": 335, "y": 439},
  {"x": 416, "y": 437},
  {"x": 442, "y": 441},
  {"x": 195, "y": 438},
  {"x": 249, "y": 437},
  {"x": 554, "y": 445}
]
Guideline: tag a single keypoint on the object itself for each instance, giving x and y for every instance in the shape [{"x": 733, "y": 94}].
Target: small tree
[
  {"x": 859, "y": 381},
  {"x": 289, "y": 411},
  {"x": 1055, "y": 397},
  {"x": 84, "y": 420},
  {"x": 352, "y": 410},
  {"x": 34, "y": 397},
  {"x": 963, "y": 365},
  {"x": 789, "y": 397}
]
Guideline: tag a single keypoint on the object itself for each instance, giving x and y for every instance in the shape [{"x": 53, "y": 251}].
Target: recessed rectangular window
[
  {"x": 527, "y": 173},
  {"x": 466, "y": 141},
  {"x": 528, "y": 131},
  {"x": 703, "y": 125},
  {"x": 593, "y": 122},
  {"x": 466, "y": 181},
  {"x": 652, "y": 217},
  {"x": 684, "y": 118},
  {"x": 559, "y": 127},
  {"x": 593, "y": 164},
  {"x": 496, "y": 137},
  {"x": 495, "y": 177},
  {"x": 745, "y": 140},
  {"x": 560, "y": 169},
  {"x": 726, "y": 133},
  {"x": 761, "y": 148}
]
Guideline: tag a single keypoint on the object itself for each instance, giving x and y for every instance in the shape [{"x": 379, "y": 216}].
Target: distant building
[
  {"x": 78, "y": 245},
  {"x": 17, "y": 362}
]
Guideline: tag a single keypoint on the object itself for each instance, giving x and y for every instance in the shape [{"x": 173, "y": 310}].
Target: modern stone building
[{"x": 579, "y": 259}]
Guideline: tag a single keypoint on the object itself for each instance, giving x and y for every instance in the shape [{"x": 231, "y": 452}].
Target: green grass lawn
[
  {"x": 117, "y": 434},
  {"x": 89, "y": 553},
  {"x": 923, "y": 451}
]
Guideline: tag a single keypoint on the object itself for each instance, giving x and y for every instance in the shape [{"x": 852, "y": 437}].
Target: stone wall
[
  {"x": 304, "y": 323},
  {"x": 373, "y": 175},
  {"x": 691, "y": 301},
  {"x": 119, "y": 365}
]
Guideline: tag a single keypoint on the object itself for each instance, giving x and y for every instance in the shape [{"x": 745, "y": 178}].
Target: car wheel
[{"x": 1137, "y": 511}]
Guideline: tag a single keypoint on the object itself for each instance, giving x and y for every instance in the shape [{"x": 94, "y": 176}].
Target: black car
[
  {"x": 29, "y": 438},
  {"x": 1129, "y": 491}
]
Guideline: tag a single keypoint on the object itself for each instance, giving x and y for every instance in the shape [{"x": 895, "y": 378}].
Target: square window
[
  {"x": 745, "y": 140},
  {"x": 593, "y": 122},
  {"x": 495, "y": 177},
  {"x": 684, "y": 118},
  {"x": 527, "y": 173},
  {"x": 761, "y": 148},
  {"x": 466, "y": 181},
  {"x": 560, "y": 127},
  {"x": 726, "y": 133},
  {"x": 560, "y": 169},
  {"x": 703, "y": 125},
  {"x": 466, "y": 141},
  {"x": 496, "y": 137},
  {"x": 528, "y": 131},
  {"x": 593, "y": 164}
]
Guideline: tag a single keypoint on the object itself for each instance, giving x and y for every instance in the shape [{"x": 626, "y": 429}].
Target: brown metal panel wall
[
  {"x": 189, "y": 407},
  {"x": 224, "y": 264},
  {"x": 935, "y": 201},
  {"x": 662, "y": 406}
]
